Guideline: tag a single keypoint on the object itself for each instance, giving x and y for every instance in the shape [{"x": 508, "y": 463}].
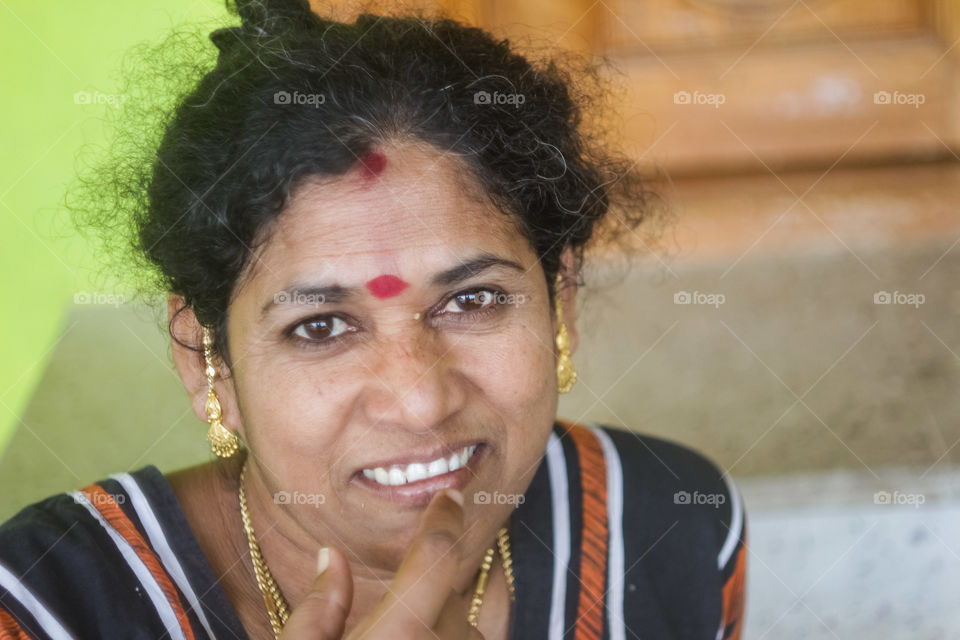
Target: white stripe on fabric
[
  {"x": 150, "y": 586},
  {"x": 159, "y": 541},
  {"x": 559, "y": 497},
  {"x": 736, "y": 524},
  {"x": 47, "y": 621},
  {"x": 615, "y": 561},
  {"x": 733, "y": 537}
]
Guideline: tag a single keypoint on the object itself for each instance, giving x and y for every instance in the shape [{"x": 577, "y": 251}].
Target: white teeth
[
  {"x": 416, "y": 471},
  {"x": 420, "y": 471},
  {"x": 437, "y": 468},
  {"x": 397, "y": 476}
]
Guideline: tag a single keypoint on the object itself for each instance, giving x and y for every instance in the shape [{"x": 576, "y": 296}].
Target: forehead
[{"x": 420, "y": 206}]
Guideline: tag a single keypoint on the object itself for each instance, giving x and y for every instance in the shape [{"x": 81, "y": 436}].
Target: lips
[
  {"x": 396, "y": 475},
  {"x": 413, "y": 480},
  {"x": 425, "y": 458}
]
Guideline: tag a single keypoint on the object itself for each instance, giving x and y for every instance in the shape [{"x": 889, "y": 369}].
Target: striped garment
[{"x": 619, "y": 536}]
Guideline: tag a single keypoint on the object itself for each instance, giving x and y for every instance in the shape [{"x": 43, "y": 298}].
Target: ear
[
  {"x": 185, "y": 329},
  {"x": 568, "y": 297}
]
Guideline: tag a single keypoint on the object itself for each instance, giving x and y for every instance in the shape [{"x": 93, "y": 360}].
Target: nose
[{"x": 412, "y": 382}]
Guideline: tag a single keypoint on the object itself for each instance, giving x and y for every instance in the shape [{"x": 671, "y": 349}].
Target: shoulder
[
  {"x": 665, "y": 482},
  {"x": 80, "y": 563},
  {"x": 668, "y": 481},
  {"x": 65, "y": 525},
  {"x": 682, "y": 519}
]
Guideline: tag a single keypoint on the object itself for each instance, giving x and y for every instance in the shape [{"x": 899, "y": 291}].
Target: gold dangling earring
[
  {"x": 223, "y": 442},
  {"x": 566, "y": 374}
]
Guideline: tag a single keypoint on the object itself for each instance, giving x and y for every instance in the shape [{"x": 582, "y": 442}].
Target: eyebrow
[{"x": 333, "y": 293}]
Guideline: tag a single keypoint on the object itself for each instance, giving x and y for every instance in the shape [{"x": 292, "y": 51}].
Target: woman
[{"x": 371, "y": 234}]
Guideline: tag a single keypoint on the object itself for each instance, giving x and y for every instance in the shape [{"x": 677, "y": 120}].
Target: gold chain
[
  {"x": 278, "y": 610},
  {"x": 503, "y": 544},
  {"x": 277, "y": 607}
]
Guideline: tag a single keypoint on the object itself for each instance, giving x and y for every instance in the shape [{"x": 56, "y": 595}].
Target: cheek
[
  {"x": 295, "y": 424},
  {"x": 288, "y": 412},
  {"x": 518, "y": 382},
  {"x": 515, "y": 371},
  {"x": 516, "y": 374}
]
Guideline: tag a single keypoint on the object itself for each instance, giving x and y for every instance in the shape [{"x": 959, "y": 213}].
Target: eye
[
  {"x": 471, "y": 301},
  {"x": 322, "y": 329}
]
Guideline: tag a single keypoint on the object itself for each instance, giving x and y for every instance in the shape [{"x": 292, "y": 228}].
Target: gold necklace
[{"x": 278, "y": 610}]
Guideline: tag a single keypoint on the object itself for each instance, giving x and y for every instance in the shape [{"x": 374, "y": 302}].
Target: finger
[
  {"x": 453, "y": 618},
  {"x": 453, "y": 621},
  {"x": 421, "y": 587},
  {"x": 323, "y": 612}
]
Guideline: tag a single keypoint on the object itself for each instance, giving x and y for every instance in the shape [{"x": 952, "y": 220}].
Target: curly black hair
[{"x": 294, "y": 95}]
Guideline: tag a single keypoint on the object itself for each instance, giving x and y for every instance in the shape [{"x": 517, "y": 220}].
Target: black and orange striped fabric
[
  {"x": 619, "y": 535},
  {"x": 593, "y": 536}
]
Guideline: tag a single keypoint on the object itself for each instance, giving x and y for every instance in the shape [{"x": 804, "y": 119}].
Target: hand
[{"x": 421, "y": 601}]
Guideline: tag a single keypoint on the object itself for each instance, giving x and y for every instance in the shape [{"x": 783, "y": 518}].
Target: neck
[{"x": 290, "y": 552}]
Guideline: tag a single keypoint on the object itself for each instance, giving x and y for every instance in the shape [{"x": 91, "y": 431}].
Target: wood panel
[
  {"x": 792, "y": 106},
  {"x": 635, "y": 26},
  {"x": 718, "y": 86}
]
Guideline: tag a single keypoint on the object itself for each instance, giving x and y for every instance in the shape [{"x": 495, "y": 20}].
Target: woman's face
[{"x": 392, "y": 319}]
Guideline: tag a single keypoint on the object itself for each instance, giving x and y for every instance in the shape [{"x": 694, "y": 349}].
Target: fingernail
[
  {"x": 323, "y": 559},
  {"x": 456, "y": 496}
]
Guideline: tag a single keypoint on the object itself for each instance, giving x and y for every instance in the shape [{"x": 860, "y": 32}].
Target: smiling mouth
[{"x": 401, "y": 474}]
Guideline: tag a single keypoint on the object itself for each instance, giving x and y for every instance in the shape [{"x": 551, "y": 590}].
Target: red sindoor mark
[{"x": 386, "y": 286}]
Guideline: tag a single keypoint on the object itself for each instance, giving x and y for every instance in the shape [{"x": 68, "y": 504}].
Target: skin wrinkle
[{"x": 312, "y": 418}]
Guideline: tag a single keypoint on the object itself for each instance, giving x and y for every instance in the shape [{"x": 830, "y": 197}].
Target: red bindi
[
  {"x": 386, "y": 286},
  {"x": 373, "y": 164}
]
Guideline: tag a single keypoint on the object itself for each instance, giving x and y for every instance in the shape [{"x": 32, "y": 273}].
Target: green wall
[{"x": 50, "y": 51}]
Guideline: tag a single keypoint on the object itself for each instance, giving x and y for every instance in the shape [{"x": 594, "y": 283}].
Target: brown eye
[
  {"x": 470, "y": 301},
  {"x": 320, "y": 329}
]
